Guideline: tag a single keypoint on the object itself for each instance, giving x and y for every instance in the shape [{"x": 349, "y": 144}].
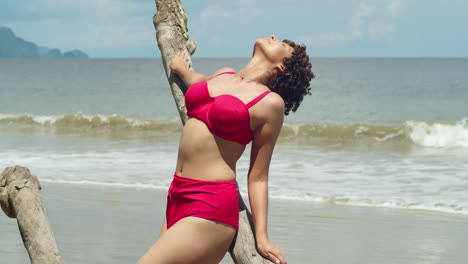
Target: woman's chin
[{"x": 259, "y": 46}]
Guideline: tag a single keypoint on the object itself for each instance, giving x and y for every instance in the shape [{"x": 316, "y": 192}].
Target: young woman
[{"x": 228, "y": 110}]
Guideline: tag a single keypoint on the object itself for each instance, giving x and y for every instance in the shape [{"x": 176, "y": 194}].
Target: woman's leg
[
  {"x": 163, "y": 228},
  {"x": 191, "y": 240}
]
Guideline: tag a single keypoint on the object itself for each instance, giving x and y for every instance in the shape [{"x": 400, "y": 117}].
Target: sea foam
[
  {"x": 439, "y": 135},
  {"x": 419, "y": 133}
]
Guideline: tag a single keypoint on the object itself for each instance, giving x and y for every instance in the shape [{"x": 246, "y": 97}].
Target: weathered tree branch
[
  {"x": 170, "y": 22},
  {"x": 20, "y": 198}
]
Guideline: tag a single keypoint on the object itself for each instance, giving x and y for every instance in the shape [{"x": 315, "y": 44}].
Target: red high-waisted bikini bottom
[{"x": 211, "y": 200}]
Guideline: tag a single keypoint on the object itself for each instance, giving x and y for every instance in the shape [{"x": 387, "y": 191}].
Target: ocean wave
[
  {"x": 411, "y": 133},
  {"x": 343, "y": 133},
  {"x": 419, "y": 133},
  {"x": 439, "y": 135},
  {"x": 401, "y": 205},
  {"x": 87, "y": 121},
  {"x": 108, "y": 126}
]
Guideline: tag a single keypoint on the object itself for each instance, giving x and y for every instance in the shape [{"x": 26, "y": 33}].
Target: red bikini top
[{"x": 225, "y": 115}]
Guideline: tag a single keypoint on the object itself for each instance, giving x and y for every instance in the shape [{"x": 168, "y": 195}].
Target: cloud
[
  {"x": 239, "y": 13},
  {"x": 363, "y": 12},
  {"x": 86, "y": 24},
  {"x": 393, "y": 8},
  {"x": 368, "y": 21},
  {"x": 382, "y": 28}
]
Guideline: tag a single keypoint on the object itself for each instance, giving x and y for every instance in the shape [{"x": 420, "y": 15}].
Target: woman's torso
[{"x": 205, "y": 156}]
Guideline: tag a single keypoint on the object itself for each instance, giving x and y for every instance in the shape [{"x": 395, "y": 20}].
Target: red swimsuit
[{"x": 227, "y": 117}]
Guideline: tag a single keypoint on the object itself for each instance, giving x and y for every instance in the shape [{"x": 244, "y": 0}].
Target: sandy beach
[
  {"x": 108, "y": 224},
  {"x": 372, "y": 168}
]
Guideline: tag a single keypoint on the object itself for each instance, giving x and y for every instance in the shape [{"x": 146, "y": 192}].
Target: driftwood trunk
[
  {"x": 20, "y": 198},
  {"x": 170, "y": 22}
]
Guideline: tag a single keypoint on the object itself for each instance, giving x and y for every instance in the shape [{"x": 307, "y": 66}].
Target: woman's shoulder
[
  {"x": 274, "y": 101},
  {"x": 272, "y": 105}
]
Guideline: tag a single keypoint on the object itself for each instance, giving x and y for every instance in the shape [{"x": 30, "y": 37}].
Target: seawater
[{"x": 375, "y": 132}]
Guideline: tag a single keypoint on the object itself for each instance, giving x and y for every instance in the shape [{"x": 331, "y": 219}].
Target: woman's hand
[
  {"x": 270, "y": 251},
  {"x": 179, "y": 62}
]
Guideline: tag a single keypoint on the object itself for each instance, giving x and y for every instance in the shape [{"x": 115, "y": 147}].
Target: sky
[{"x": 228, "y": 28}]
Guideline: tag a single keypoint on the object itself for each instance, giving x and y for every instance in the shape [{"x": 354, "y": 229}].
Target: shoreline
[
  {"x": 318, "y": 201},
  {"x": 102, "y": 224}
]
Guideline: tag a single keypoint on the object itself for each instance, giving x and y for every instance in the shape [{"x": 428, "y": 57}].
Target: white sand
[{"x": 99, "y": 224}]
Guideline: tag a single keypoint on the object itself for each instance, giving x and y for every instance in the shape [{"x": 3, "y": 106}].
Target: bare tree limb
[
  {"x": 20, "y": 198},
  {"x": 170, "y": 22}
]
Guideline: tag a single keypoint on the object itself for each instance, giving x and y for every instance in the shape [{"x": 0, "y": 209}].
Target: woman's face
[{"x": 273, "y": 50}]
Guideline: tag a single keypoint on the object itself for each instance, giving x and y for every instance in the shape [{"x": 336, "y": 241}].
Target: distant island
[{"x": 12, "y": 46}]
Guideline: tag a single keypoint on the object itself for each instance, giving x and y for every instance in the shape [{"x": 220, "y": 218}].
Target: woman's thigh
[
  {"x": 163, "y": 228},
  {"x": 191, "y": 240}
]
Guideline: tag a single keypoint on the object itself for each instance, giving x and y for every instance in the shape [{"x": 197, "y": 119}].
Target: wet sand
[{"x": 104, "y": 224}]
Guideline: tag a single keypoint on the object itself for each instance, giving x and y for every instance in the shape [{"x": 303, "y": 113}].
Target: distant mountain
[{"x": 12, "y": 46}]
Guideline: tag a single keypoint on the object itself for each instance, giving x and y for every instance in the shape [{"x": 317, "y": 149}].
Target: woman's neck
[{"x": 256, "y": 70}]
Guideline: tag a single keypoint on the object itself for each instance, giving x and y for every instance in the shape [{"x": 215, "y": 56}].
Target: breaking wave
[{"x": 420, "y": 133}]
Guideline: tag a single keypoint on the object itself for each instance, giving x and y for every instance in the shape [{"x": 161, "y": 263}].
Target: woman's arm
[
  {"x": 260, "y": 157},
  {"x": 180, "y": 67}
]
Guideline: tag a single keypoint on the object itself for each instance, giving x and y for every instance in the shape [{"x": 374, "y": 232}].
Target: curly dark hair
[{"x": 294, "y": 82}]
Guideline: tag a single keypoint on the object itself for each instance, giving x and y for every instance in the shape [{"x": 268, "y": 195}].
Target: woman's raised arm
[{"x": 179, "y": 66}]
